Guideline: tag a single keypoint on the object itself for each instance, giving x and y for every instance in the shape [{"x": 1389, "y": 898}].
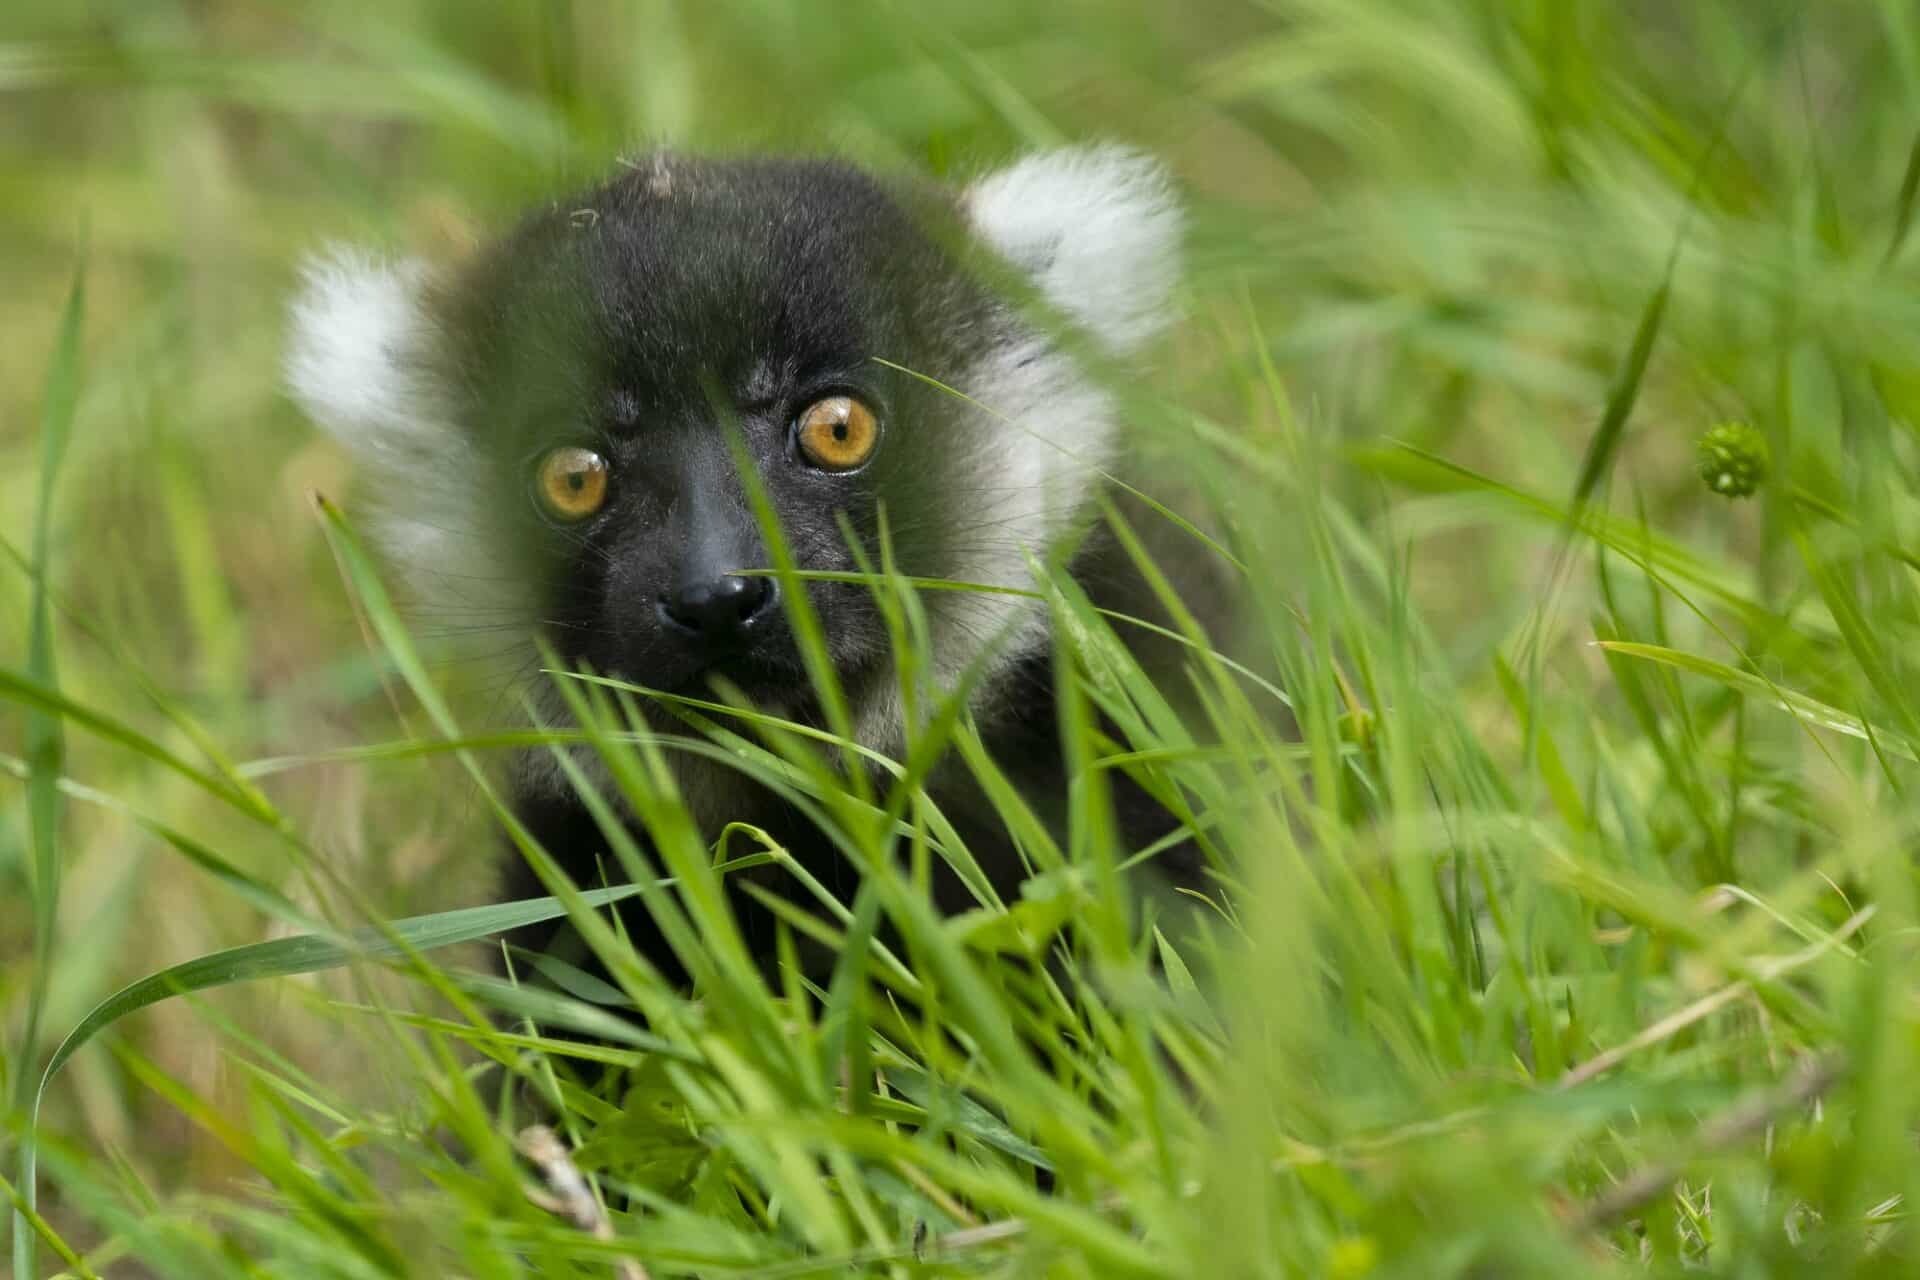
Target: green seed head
[{"x": 1733, "y": 459}]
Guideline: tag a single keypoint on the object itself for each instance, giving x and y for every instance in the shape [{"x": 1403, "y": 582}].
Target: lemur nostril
[{"x": 753, "y": 599}]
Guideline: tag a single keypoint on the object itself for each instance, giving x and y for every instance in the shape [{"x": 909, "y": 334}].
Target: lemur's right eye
[{"x": 571, "y": 483}]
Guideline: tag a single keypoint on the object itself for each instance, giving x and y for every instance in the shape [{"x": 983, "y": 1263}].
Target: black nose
[{"x": 717, "y": 610}]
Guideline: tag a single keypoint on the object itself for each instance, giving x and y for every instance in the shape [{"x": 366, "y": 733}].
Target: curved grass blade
[
  {"x": 1810, "y": 711},
  {"x": 310, "y": 953}
]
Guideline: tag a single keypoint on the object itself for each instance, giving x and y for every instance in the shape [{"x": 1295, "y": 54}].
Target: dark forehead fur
[{"x": 683, "y": 278}]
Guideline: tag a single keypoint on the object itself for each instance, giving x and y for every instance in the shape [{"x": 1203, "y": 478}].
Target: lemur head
[{"x": 552, "y": 431}]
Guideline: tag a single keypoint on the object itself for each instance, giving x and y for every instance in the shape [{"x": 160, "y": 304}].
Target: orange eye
[
  {"x": 572, "y": 483},
  {"x": 837, "y": 433}
]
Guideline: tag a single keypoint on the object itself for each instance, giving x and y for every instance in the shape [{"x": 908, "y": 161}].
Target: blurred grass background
[{"x": 1425, "y": 235}]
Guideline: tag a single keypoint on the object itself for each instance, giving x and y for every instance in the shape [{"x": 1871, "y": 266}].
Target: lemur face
[
  {"x": 623, "y": 359},
  {"x": 561, "y": 432}
]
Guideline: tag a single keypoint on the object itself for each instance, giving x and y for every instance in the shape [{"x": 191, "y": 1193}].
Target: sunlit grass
[{"x": 1560, "y": 902}]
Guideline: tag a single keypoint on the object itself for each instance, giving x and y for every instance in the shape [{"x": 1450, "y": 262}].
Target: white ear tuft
[
  {"x": 360, "y": 361},
  {"x": 1098, "y": 230},
  {"x": 355, "y": 355}
]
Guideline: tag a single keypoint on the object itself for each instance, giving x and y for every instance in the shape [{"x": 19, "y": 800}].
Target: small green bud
[{"x": 1733, "y": 459}]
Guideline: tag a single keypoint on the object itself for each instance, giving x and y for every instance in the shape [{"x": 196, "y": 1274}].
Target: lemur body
[{"x": 545, "y": 434}]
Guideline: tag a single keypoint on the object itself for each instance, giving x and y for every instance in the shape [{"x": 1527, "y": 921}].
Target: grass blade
[{"x": 45, "y": 741}]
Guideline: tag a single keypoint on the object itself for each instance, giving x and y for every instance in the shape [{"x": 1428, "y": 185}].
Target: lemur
[{"x": 551, "y": 432}]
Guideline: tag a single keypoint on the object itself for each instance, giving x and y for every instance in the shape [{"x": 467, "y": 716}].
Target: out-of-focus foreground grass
[{"x": 1568, "y": 923}]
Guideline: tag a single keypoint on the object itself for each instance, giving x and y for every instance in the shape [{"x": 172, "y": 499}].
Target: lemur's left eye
[
  {"x": 571, "y": 483},
  {"x": 837, "y": 434}
]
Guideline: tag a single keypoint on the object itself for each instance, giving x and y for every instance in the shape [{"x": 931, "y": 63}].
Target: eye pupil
[{"x": 840, "y": 432}]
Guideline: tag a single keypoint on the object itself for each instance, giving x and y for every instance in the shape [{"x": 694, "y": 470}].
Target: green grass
[{"x": 1565, "y": 924}]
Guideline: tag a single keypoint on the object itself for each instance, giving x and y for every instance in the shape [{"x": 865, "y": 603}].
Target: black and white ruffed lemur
[{"x": 546, "y": 431}]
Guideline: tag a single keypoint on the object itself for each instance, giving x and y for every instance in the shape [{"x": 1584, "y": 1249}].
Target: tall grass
[{"x": 1561, "y": 907}]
